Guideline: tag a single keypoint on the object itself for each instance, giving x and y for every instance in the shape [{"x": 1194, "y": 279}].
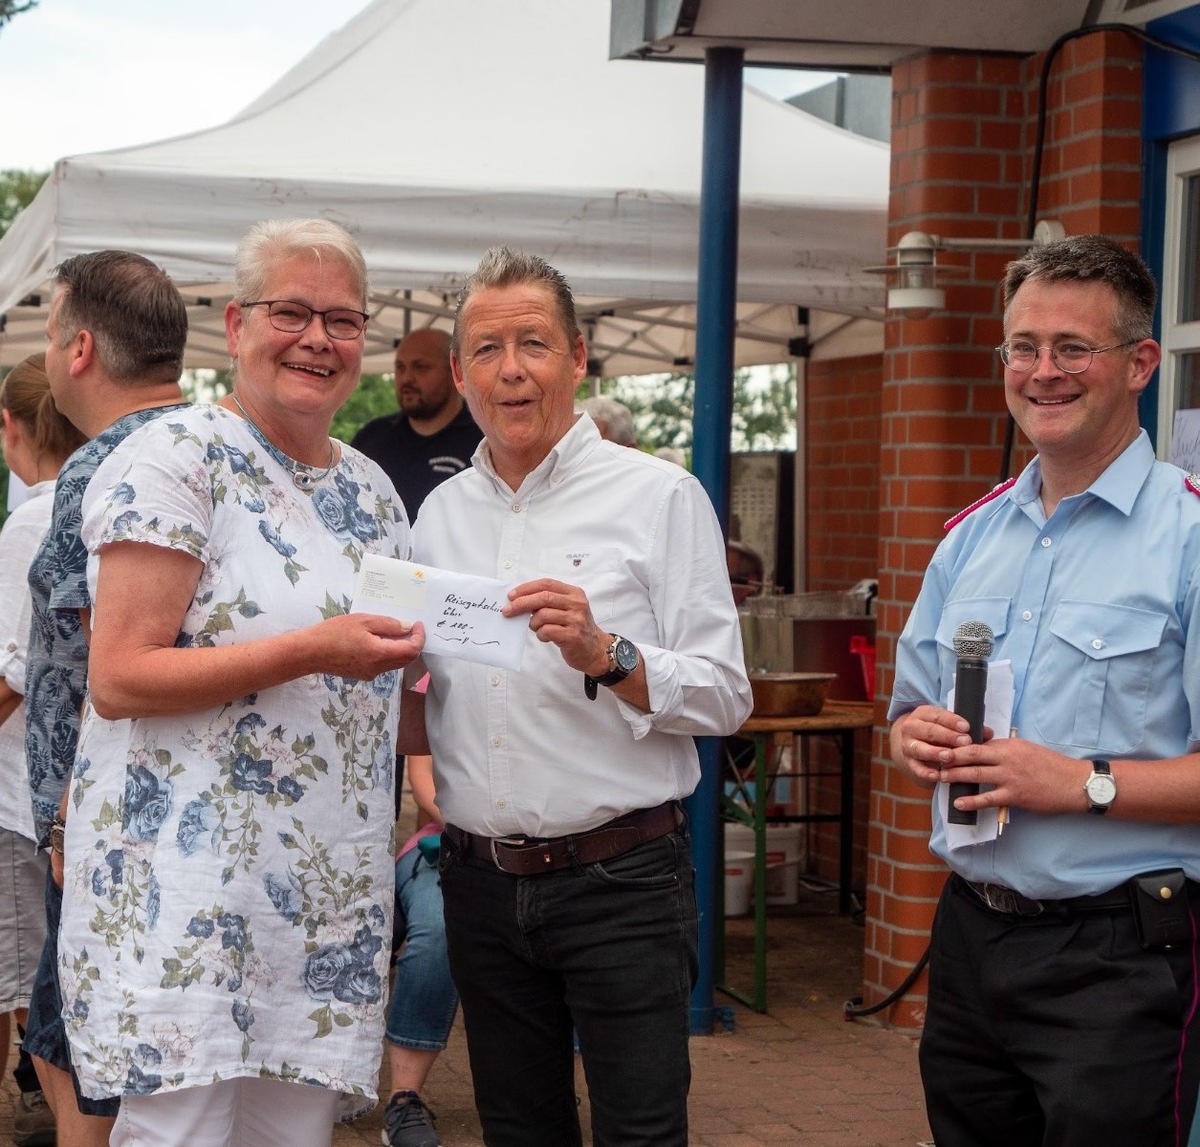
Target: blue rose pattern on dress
[
  {"x": 147, "y": 803},
  {"x": 248, "y": 846},
  {"x": 199, "y": 826}
]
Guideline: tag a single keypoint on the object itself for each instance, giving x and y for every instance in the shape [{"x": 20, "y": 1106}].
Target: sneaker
[
  {"x": 407, "y": 1122},
  {"x": 33, "y": 1121}
]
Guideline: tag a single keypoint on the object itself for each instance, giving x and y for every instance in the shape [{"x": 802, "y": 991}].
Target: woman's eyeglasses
[{"x": 292, "y": 318}]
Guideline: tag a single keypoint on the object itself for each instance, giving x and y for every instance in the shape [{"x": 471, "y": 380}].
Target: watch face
[
  {"x": 626, "y": 655},
  {"x": 1101, "y": 789}
]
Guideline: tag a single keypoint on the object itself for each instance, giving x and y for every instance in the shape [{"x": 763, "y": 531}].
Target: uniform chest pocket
[
  {"x": 595, "y": 569},
  {"x": 1093, "y": 689},
  {"x": 991, "y": 611}
]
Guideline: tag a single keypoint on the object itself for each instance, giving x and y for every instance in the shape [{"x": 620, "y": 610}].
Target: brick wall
[
  {"x": 962, "y": 134},
  {"x": 842, "y": 399},
  {"x": 842, "y": 488}
]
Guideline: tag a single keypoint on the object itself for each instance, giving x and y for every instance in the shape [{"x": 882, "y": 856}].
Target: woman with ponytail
[{"x": 36, "y": 440}]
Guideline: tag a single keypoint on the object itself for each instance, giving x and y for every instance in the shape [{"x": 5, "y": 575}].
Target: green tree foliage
[
  {"x": 11, "y": 8},
  {"x": 764, "y": 408},
  {"x": 375, "y": 396},
  {"x": 17, "y": 189}
]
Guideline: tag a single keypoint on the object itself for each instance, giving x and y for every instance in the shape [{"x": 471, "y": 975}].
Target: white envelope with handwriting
[{"x": 461, "y": 613}]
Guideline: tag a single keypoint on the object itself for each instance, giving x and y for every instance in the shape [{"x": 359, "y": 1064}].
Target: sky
[{"x": 78, "y": 76}]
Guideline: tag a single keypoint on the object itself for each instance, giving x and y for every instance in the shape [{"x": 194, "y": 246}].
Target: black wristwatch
[{"x": 623, "y": 656}]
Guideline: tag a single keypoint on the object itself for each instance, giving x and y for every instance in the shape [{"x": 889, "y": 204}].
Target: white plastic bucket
[
  {"x": 783, "y": 856},
  {"x": 739, "y": 881}
]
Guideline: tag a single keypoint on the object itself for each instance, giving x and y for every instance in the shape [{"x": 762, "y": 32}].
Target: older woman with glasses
[{"x": 229, "y": 865}]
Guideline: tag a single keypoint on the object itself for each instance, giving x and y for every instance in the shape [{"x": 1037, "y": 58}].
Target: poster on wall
[{"x": 1185, "y": 441}]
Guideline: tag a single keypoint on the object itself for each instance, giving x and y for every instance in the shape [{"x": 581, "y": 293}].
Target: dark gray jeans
[{"x": 607, "y": 950}]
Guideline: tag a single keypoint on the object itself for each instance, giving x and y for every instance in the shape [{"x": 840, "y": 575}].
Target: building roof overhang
[{"x": 858, "y": 35}]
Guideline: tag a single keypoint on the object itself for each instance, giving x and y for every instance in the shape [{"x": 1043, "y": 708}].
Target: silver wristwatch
[{"x": 1100, "y": 788}]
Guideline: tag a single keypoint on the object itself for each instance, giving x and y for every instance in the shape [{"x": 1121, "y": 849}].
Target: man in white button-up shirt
[{"x": 566, "y": 867}]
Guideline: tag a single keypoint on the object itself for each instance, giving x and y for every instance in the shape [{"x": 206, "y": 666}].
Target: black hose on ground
[{"x": 853, "y": 1009}]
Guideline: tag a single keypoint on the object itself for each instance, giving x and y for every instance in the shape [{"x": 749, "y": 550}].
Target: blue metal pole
[{"x": 715, "y": 303}]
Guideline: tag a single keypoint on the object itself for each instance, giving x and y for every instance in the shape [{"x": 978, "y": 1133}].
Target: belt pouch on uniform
[{"x": 1160, "y": 908}]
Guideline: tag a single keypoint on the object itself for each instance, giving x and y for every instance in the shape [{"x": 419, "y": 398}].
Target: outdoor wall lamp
[{"x": 915, "y": 293}]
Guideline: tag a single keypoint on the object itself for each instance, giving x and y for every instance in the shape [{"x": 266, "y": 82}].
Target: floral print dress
[{"x": 229, "y": 879}]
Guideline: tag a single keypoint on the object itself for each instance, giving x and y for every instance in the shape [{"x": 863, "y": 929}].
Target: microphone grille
[{"x": 974, "y": 639}]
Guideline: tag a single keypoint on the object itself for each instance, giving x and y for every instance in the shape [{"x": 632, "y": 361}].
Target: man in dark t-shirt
[{"x": 432, "y": 436}]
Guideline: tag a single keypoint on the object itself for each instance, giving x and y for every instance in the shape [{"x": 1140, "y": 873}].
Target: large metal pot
[{"x": 789, "y": 694}]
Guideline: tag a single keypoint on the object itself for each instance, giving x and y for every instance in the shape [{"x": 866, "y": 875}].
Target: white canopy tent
[{"x": 433, "y": 129}]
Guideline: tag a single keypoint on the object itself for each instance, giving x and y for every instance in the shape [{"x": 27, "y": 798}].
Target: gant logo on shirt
[{"x": 577, "y": 559}]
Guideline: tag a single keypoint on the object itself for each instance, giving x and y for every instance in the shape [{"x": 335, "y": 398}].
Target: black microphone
[{"x": 973, "y": 644}]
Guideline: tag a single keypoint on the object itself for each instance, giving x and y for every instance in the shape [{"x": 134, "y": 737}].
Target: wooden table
[{"x": 840, "y": 719}]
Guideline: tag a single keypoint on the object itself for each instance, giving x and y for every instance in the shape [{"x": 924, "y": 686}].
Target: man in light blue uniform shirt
[{"x": 1060, "y": 1012}]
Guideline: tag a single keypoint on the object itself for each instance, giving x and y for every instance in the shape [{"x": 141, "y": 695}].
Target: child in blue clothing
[{"x": 424, "y": 1000}]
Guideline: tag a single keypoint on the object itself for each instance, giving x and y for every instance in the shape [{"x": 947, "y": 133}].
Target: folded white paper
[
  {"x": 997, "y": 715},
  {"x": 461, "y": 613}
]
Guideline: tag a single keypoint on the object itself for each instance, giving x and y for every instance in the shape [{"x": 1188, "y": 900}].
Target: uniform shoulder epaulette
[
  {"x": 994, "y": 492},
  {"x": 1192, "y": 482}
]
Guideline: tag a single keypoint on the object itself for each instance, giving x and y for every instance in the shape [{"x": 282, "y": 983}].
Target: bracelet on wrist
[{"x": 58, "y": 829}]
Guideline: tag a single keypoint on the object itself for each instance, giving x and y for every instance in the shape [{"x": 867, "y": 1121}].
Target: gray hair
[
  {"x": 274, "y": 240},
  {"x": 614, "y": 419},
  {"x": 134, "y": 313},
  {"x": 1091, "y": 259},
  {"x": 503, "y": 267}
]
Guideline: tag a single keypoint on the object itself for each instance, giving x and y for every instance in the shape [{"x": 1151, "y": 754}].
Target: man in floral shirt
[{"x": 116, "y": 333}]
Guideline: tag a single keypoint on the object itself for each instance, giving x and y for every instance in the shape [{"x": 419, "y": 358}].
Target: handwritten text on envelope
[{"x": 461, "y": 613}]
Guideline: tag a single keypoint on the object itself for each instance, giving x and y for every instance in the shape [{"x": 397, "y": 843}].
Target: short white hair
[
  {"x": 614, "y": 418},
  {"x": 274, "y": 239}
]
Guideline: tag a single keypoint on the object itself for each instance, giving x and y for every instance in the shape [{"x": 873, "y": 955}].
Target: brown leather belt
[
  {"x": 1008, "y": 900},
  {"x": 529, "y": 856}
]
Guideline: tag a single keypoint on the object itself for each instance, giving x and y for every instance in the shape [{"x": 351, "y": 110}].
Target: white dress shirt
[{"x": 526, "y": 752}]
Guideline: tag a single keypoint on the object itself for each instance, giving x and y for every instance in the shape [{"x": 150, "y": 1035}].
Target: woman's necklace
[{"x": 305, "y": 479}]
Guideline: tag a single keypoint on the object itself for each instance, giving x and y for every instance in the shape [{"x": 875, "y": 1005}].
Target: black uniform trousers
[{"x": 1056, "y": 1030}]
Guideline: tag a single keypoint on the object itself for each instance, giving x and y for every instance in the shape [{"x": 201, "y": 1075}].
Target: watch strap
[{"x": 612, "y": 676}]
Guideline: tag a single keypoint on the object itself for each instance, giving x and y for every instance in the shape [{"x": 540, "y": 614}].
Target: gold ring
[{"x": 910, "y": 747}]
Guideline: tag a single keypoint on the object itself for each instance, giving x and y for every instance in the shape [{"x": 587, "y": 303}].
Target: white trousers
[{"x": 233, "y": 1113}]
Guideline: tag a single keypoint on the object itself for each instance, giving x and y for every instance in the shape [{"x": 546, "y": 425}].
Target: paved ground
[{"x": 798, "y": 1075}]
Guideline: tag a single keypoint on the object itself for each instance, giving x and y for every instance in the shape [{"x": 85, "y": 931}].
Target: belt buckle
[
  {"x": 1002, "y": 899},
  {"x": 508, "y": 842}
]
